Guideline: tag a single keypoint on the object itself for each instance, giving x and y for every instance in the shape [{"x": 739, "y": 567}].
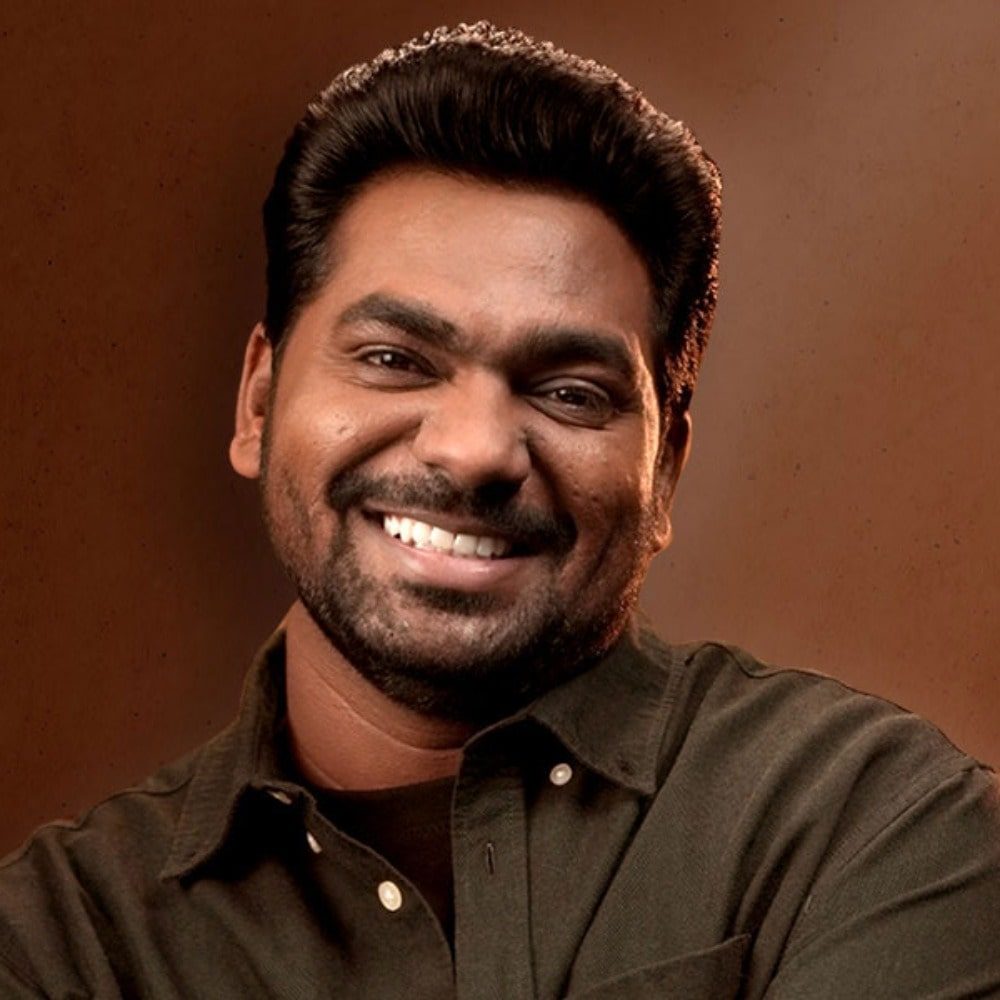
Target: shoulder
[
  {"x": 789, "y": 754},
  {"x": 55, "y": 887},
  {"x": 848, "y": 829},
  {"x": 141, "y": 814},
  {"x": 784, "y": 760},
  {"x": 743, "y": 709}
]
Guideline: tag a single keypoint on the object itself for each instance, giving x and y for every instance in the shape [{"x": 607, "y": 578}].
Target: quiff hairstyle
[{"x": 495, "y": 104}]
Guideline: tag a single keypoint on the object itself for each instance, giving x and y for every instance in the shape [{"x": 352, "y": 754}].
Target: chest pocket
[{"x": 713, "y": 974}]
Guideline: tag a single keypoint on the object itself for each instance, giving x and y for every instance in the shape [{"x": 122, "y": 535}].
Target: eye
[
  {"x": 387, "y": 357},
  {"x": 576, "y": 401},
  {"x": 393, "y": 367}
]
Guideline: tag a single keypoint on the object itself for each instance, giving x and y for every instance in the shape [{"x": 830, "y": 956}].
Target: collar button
[
  {"x": 390, "y": 896},
  {"x": 560, "y": 774}
]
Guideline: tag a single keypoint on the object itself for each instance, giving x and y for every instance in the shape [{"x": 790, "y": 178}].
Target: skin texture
[{"x": 478, "y": 358}]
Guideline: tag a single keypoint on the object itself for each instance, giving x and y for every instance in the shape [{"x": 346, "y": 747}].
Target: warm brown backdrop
[{"x": 839, "y": 510}]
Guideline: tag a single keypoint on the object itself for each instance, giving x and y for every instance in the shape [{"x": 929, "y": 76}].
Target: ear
[
  {"x": 674, "y": 450},
  {"x": 251, "y": 405}
]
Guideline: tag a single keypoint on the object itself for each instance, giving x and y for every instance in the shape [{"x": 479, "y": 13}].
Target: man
[{"x": 460, "y": 768}]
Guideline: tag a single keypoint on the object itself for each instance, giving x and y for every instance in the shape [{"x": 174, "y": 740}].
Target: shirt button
[
  {"x": 313, "y": 843},
  {"x": 390, "y": 896},
  {"x": 283, "y": 797},
  {"x": 560, "y": 774}
]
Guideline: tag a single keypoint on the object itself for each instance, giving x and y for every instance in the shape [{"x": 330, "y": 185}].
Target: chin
[{"x": 476, "y": 669}]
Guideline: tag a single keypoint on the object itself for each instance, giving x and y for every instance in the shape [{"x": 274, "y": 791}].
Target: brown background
[{"x": 839, "y": 509}]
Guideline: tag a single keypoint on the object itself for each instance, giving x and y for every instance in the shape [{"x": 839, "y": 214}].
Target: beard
[{"x": 476, "y": 657}]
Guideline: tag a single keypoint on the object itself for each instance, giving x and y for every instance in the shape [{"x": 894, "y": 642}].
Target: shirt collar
[
  {"x": 612, "y": 718},
  {"x": 245, "y": 754}
]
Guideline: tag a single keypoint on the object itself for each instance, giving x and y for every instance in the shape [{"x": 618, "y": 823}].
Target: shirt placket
[
  {"x": 489, "y": 852},
  {"x": 398, "y": 947}
]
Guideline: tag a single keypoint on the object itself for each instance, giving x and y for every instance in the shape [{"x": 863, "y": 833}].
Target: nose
[{"x": 472, "y": 432}]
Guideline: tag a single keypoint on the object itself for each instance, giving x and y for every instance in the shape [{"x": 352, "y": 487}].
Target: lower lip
[{"x": 438, "y": 569}]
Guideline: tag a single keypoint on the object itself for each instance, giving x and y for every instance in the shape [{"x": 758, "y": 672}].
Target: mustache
[{"x": 493, "y": 504}]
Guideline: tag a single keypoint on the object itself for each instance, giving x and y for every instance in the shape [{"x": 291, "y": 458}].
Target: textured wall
[{"x": 837, "y": 509}]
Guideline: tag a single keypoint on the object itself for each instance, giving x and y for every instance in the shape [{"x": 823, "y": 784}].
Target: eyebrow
[
  {"x": 409, "y": 317},
  {"x": 555, "y": 345},
  {"x": 543, "y": 346}
]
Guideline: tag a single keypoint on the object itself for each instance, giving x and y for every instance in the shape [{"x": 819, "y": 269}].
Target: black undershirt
[{"x": 410, "y": 826}]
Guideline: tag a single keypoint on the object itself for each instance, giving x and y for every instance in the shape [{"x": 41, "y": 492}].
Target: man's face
[{"x": 460, "y": 461}]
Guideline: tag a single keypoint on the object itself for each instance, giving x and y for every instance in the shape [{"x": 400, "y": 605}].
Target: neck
[{"x": 347, "y": 734}]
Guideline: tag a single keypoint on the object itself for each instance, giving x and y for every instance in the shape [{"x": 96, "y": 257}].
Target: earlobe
[
  {"x": 674, "y": 451},
  {"x": 251, "y": 405}
]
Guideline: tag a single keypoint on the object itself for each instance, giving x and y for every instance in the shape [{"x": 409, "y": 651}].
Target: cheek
[
  {"x": 336, "y": 418},
  {"x": 304, "y": 449},
  {"x": 600, "y": 478},
  {"x": 608, "y": 499},
  {"x": 325, "y": 432}
]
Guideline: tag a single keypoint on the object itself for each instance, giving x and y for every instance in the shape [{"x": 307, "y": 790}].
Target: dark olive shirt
[
  {"x": 410, "y": 826},
  {"x": 677, "y": 822}
]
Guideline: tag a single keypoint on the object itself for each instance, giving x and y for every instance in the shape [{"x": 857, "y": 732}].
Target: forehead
[{"x": 493, "y": 260}]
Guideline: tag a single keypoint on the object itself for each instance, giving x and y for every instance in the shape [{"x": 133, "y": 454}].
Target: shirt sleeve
[{"x": 913, "y": 912}]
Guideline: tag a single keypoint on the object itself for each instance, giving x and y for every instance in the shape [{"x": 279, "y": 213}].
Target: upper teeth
[{"x": 422, "y": 535}]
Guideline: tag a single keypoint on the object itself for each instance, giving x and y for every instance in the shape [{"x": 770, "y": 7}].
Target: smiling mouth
[{"x": 424, "y": 535}]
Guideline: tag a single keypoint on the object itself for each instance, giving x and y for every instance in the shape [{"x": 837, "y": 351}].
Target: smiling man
[
  {"x": 460, "y": 769},
  {"x": 465, "y": 468}
]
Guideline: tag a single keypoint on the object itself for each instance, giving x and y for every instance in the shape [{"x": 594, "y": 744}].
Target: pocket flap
[{"x": 712, "y": 974}]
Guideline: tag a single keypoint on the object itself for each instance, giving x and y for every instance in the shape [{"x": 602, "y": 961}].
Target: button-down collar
[{"x": 610, "y": 718}]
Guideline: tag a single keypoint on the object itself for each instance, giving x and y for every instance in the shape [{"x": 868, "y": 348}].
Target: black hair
[{"x": 495, "y": 104}]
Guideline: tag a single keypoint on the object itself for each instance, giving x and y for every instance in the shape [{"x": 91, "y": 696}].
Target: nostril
[{"x": 496, "y": 493}]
